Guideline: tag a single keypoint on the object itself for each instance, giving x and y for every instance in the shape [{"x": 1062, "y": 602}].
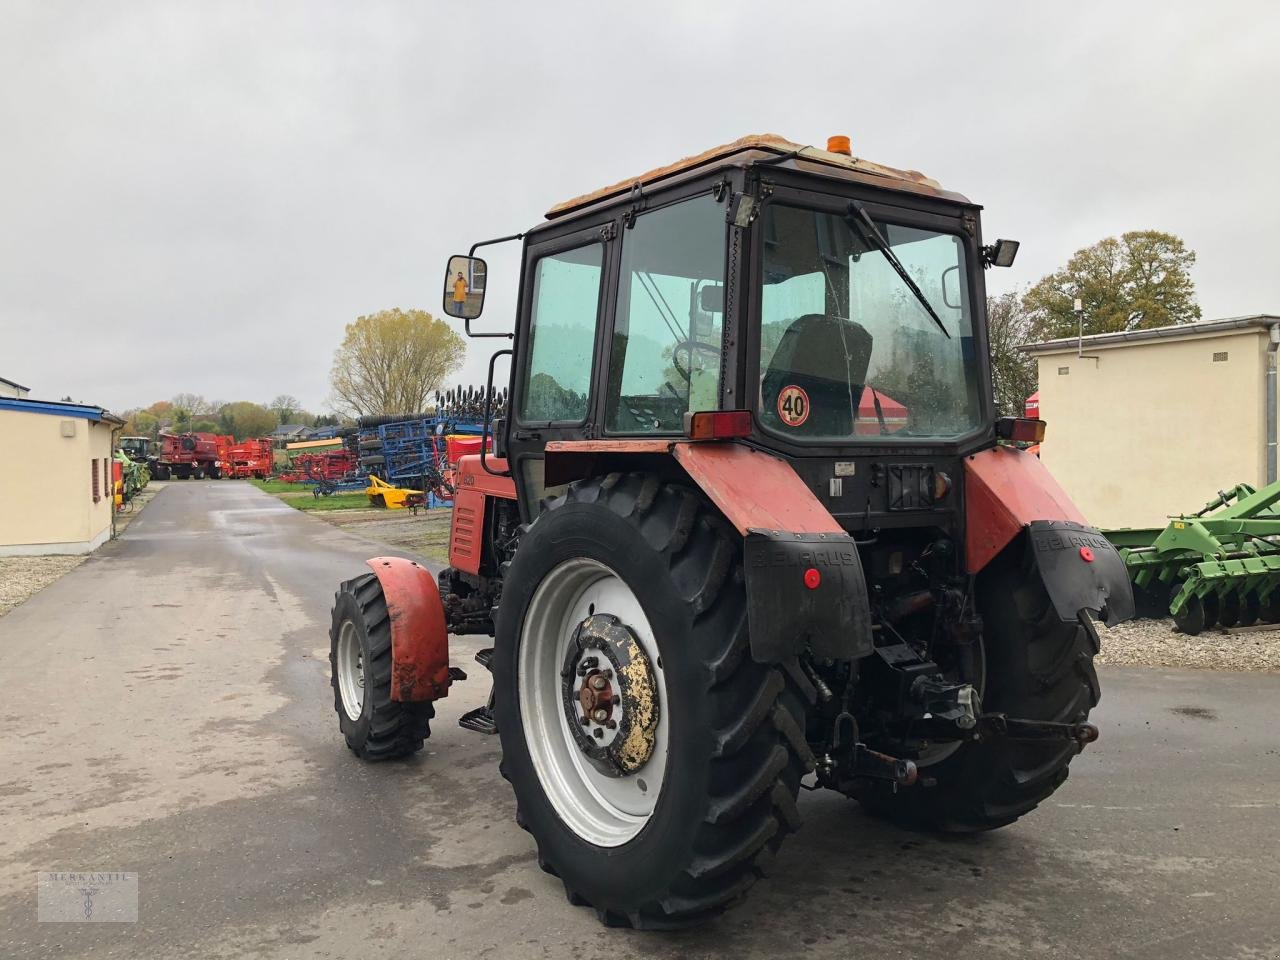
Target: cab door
[{"x": 568, "y": 286}]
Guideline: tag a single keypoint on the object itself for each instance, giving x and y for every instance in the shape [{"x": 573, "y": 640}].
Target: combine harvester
[
  {"x": 1219, "y": 565},
  {"x": 195, "y": 456}
]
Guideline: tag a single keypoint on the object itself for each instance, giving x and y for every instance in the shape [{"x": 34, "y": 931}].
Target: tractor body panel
[
  {"x": 475, "y": 486},
  {"x": 419, "y": 637}
]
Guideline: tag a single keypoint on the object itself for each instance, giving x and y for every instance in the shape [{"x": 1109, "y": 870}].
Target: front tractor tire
[
  {"x": 375, "y": 726},
  {"x": 654, "y": 762},
  {"x": 1036, "y": 667}
]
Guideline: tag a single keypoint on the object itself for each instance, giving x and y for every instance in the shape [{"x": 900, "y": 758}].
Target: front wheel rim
[
  {"x": 605, "y": 810},
  {"x": 350, "y": 664}
]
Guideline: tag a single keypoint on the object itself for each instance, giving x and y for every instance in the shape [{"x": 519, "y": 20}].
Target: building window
[
  {"x": 1063, "y": 371},
  {"x": 1220, "y": 357},
  {"x": 94, "y": 470}
]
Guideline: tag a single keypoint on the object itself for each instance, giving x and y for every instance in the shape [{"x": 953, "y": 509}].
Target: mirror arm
[
  {"x": 466, "y": 324},
  {"x": 488, "y": 243}
]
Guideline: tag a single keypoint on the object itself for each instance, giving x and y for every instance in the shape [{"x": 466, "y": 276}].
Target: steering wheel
[{"x": 691, "y": 346}]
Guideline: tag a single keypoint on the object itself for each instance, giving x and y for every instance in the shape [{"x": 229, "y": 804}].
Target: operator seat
[{"x": 827, "y": 357}]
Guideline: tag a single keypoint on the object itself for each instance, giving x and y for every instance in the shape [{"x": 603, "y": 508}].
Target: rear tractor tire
[
  {"x": 375, "y": 726},
  {"x": 1036, "y": 667},
  {"x": 655, "y": 763}
]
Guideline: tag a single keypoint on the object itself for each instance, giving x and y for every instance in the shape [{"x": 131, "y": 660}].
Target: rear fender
[
  {"x": 804, "y": 578},
  {"x": 419, "y": 637},
  {"x": 1009, "y": 491}
]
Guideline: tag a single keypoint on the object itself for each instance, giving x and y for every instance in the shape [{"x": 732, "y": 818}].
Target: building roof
[
  {"x": 13, "y": 384},
  {"x": 1176, "y": 331},
  {"x": 59, "y": 408},
  {"x": 289, "y": 430},
  {"x": 767, "y": 147}
]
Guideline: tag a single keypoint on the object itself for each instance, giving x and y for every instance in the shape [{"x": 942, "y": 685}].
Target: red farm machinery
[
  {"x": 750, "y": 523},
  {"x": 252, "y": 458},
  {"x": 193, "y": 456}
]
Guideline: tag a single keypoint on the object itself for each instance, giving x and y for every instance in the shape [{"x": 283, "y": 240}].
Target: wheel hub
[{"x": 610, "y": 696}]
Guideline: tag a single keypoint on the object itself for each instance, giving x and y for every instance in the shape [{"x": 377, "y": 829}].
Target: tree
[
  {"x": 244, "y": 419},
  {"x": 1142, "y": 279},
  {"x": 285, "y": 408},
  {"x": 194, "y": 404},
  {"x": 1013, "y": 373},
  {"x": 181, "y": 419},
  {"x": 204, "y": 426},
  {"x": 391, "y": 361}
]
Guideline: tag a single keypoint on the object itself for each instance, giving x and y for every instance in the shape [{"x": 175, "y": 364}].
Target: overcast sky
[{"x": 199, "y": 196}]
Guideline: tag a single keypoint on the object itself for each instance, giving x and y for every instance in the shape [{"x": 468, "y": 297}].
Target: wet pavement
[{"x": 167, "y": 710}]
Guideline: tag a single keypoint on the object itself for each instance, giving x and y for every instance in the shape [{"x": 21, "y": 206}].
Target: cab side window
[{"x": 562, "y": 335}]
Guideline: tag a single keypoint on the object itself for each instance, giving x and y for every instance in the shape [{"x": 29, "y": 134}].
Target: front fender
[{"x": 419, "y": 637}]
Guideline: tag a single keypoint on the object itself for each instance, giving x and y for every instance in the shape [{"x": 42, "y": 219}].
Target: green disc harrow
[{"x": 1220, "y": 565}]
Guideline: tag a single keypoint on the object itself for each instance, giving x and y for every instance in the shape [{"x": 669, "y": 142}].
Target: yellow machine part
[{"x": 393, "y": 498}]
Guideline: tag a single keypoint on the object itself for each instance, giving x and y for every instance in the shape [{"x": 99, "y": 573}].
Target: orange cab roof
[{"x": 768, "y": 142}]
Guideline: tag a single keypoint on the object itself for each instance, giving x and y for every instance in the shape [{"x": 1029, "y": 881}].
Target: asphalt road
[{"x": 167, "y": 710}]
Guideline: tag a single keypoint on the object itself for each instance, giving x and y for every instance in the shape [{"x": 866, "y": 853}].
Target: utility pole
[{"x": 1079, "y": 311}]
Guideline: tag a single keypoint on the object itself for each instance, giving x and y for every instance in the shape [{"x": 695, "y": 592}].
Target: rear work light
[
  {"x": 717, "y": 424},
  {"x": 1020, "y": 430}
]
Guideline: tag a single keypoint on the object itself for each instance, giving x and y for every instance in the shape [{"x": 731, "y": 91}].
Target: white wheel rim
[
  {"x": 603, "y": 810},
  {"x": 350, "y": 671}
]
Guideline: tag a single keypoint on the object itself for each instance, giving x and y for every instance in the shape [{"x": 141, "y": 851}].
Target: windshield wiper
[{"x": 871, "y": 234}]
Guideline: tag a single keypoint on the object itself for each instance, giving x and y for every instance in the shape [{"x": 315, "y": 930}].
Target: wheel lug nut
[
  {"x": 606, "y": 672},
  {"x": 600, "y": 715},
  {"x": 599, "y": 733},
  {"x": 611, "y": 724},
  {"x": 599, "y": 683}
]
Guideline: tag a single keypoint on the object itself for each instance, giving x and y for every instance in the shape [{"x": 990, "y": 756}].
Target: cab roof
[{"x": 771, "y": 147}]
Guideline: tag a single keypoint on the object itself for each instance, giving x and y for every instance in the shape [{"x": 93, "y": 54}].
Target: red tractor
[{"x": 713, "y": 568}]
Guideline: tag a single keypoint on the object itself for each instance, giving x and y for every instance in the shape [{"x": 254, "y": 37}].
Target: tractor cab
[
  {"x": 835, "y": 305},
  {"x": 749, "y": 522},
  {"x": 136, "y": 448}
]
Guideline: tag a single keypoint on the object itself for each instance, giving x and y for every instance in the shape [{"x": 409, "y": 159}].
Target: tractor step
[
  {"x": 480, "y": 720},
  {"x": 485, "y": 658}
]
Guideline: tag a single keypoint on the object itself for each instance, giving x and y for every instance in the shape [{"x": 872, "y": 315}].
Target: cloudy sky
[{"x": 197, "y": 197}]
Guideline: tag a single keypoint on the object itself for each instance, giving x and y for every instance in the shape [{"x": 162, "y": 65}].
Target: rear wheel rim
[
  {"x": 350, "y": 671},
  {"x": 607, "y": 811}
]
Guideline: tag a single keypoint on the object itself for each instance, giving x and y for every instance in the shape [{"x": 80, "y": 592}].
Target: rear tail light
[
  {"x": 1020, "y": 430},
  {"x": 717, "y": 424}
]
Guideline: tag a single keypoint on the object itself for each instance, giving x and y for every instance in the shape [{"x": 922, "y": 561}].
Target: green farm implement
[{"x": 1219, "y": 565}]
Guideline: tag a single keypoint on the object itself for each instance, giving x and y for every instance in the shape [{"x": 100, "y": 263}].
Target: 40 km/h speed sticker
[{"x": 793, "y": 405}]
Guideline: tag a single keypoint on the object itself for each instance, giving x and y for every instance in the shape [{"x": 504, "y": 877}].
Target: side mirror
[{"x": 464, "y": 285}]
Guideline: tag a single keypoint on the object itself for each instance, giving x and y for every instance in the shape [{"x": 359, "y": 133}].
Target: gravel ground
[
  {"x": 22, "y": 577},
  {"x": 1155, "y": 643}
]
